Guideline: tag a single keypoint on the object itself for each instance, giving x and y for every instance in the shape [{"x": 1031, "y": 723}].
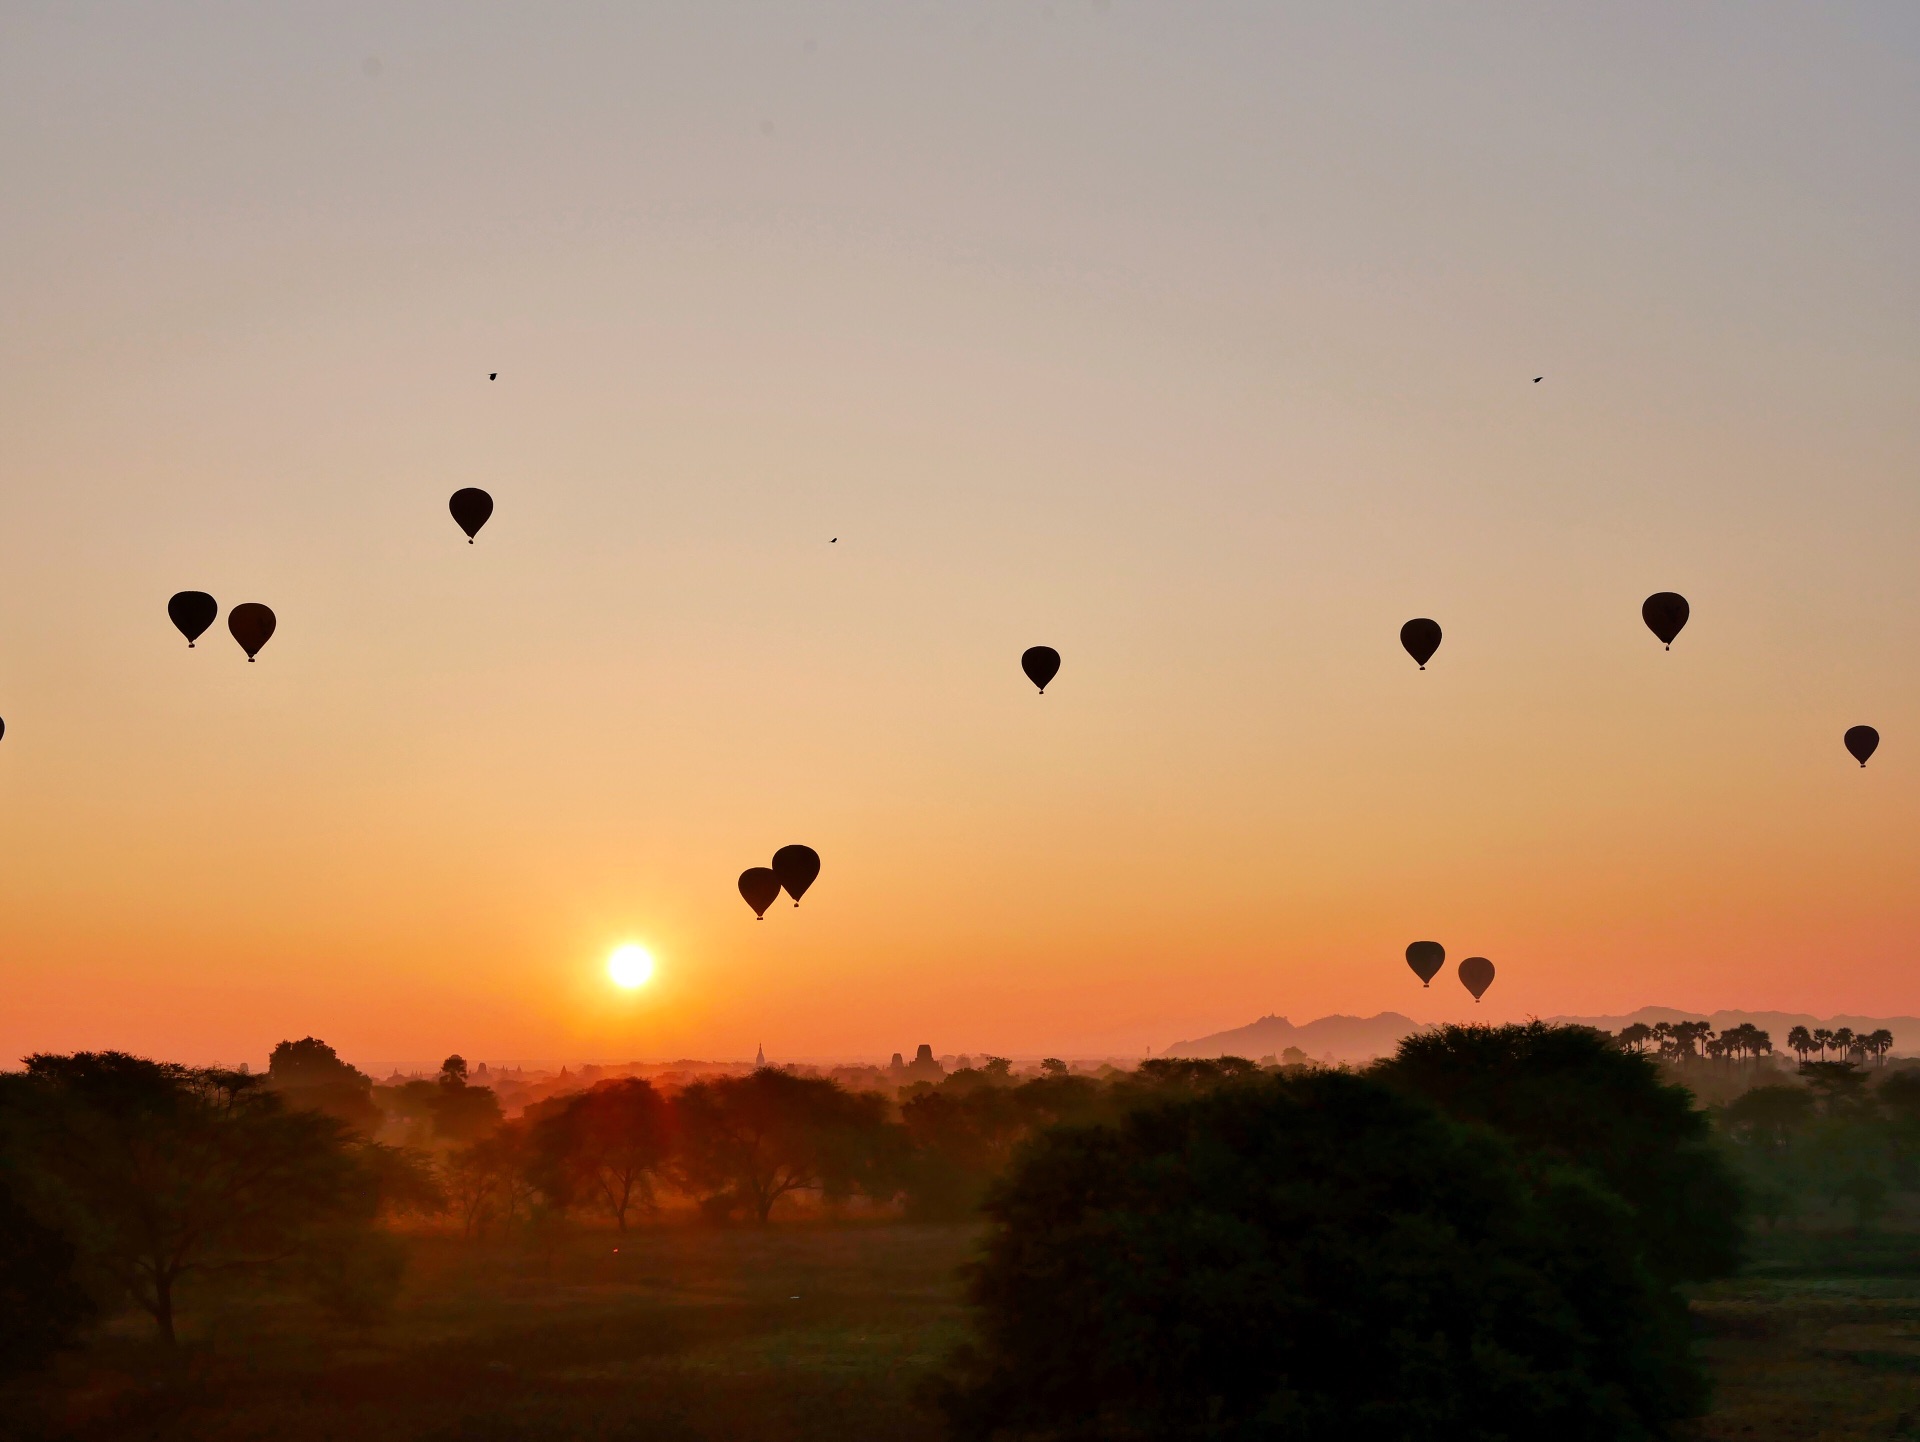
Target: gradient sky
[{"x": 1194, "y": 340}]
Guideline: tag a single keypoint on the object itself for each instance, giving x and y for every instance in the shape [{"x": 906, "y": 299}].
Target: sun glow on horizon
[{"x": 630, "y": 966}]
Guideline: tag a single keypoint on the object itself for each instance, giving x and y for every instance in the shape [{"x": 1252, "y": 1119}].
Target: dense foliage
[
  {"x": 42, "y": 1304},
  {"x": 155, "y": 1172},
  {"x": 1828, "y": 1141},
  {"x": 1571, "y": 1096},
  {"x": 1308, "y": 1255}
]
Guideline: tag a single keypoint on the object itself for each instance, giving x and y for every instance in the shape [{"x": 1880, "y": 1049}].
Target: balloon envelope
[
  {"x": 761, "y": 888},
  {"x": 1042, "y": 664},
  {"x": 1862, "y": 742},
  {"x": 1426, "y": 958},
  {"x": 192, "y": 612},
  {"x": 252, "y": 626},
  {"x": 1421, "y": 637},
  {"x": 1665, "y": 612},
  {"x": 796, "y": 867},
  {"x": 1476, "y": 975},
  {"x": 471, "y": 506}
]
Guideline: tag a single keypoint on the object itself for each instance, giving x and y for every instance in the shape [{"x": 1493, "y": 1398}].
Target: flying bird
[{"x": 1538, "y": 379}]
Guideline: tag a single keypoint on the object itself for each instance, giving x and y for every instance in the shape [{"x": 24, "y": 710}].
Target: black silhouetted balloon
[
  {"x": 252, "y": 626},
  {"x": 1426, "y": 958},
  {"x": 796, "y": 867},
  {"x": 1421, "y": 637},
  {"x": 761, "y": 888},
  {"x": 1042, "y": 664},
  {"x": 471, "y": 506},
  {"x": 1476, "y": 975},
  {"x": 3, "y": 728},
  {"x": 1862, "y": 742},
  {"x": 1665, "y": 612},
  {"x": 493, "y": 375},
  {"x": 192, "y": 612}
]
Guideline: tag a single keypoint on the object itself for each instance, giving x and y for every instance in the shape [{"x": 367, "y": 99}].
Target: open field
[
  {"x": 1819, "y": 1340},
  {"x": 791, "y": 1332},
  {"x": 824, "y": 1331}
]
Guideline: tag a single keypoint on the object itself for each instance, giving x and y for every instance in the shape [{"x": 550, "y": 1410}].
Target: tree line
[
  {"x": 1677, "y": 1040},
  {"x": 1602, "y": 1184}
]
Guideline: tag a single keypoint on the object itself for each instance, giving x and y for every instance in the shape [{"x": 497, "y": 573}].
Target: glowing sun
[{"x": 630, "y": 966}]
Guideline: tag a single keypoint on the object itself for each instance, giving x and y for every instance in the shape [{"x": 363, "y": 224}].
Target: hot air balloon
[
  {"x": 3, "y": 728},
  {"x": 1426, "y": 958},
  {"x": 1042, "y": 664},
  {"x": 192, "y": 612},
  {"x": 1421, "y": 637},
  {"x": 761, "y": 888},
  {"x": 796, "y": 867},
  {"x": 1862, "y": 742},
  {"x": 471, "y": 506},
  {"x": 1665, "y": 612},
  {"x": 1476, "y": 975},
  {"x": 252, "y": 626}
]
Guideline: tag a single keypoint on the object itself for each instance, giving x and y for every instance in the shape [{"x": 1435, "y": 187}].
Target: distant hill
[
  {"x": 1339, "y": 1038},
  {"x": 1361, "y": 1038}
]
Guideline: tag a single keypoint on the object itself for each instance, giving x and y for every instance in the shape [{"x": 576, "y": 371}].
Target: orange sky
[{"x": 1198, "y": 344}]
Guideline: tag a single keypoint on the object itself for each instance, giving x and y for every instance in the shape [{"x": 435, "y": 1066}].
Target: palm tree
[
  {"x": 1636, "y": 1036},
  {"x": 1879, "y": 1043},
  {"x": 1844, "y": 1042},
  {"x": 1687, "y": 1035},
  {"x": 1800, "y": 1041},
  {"x": 1823, "y": 1039}
]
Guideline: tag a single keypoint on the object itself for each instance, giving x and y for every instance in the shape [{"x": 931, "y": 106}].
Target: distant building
[
  {"x": 760, "y": 1055},
  {"x": 923, "y": 1067}
]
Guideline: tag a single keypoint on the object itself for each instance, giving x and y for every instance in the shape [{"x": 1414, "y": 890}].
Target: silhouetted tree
[
  {"x": 1567, "y": 1093},
  {"x": 605, "y": 1145},
  {"x": 462, "y": 1113},
  {"x": 1682, "y": 1038},
  {"x": 1635, "y": 1036},
  {"x": 1769, "y": 1117},
  {"x": 1800, "y": 1042},
  {"x": 312, "y": 1077},
  {"x": 746, "y": 1142},
  {"x": 1310, "y": 1254},
  {"x": 159, "y": 1171},
  {"x": 493, "y": 1180},
  {"x": 1746, "y": 1040}
]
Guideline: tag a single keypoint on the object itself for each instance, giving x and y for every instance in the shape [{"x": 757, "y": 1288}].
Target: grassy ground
[
  {"x": 821, "y": 1331},
  {"x": 1818, "y": 1342},
  {"x": 795, "y": 1332}
]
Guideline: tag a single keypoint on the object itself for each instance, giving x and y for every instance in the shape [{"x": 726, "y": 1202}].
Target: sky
[{"x": 1196, "y": 341}]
